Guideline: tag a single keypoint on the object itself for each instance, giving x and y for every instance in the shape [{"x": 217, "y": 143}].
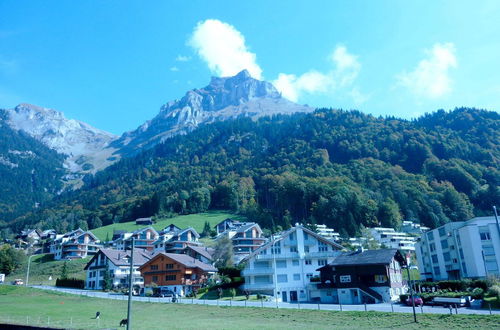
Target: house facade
[
  {"x": 372, "y": 276},
  {"x": 143, "y": 239},
  {"x": 117, "y": 262},
  {"x": 392, "y": 239},
  {"x": 467, "y": 249},
  {"x": 174, "y": 240},
  {"x": 180, "y": 273},
  {"x": 245, "y": 236},
  {"x": 75, "y": 244},
  {"x": 286, "y": 267}
]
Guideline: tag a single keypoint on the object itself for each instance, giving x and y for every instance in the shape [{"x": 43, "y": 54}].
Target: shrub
[
  {"x": 202, "y": 290},
  {"x": 495, "y": 291},
  {"x": 70, "y": 283},
  {"x": 232, "y": 292},
  {"x": 480, "y": 284},
  {"x": 477, "y": 293}
]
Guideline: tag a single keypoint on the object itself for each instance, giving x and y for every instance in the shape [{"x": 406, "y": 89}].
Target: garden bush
[{"x": 70, "y": 283}]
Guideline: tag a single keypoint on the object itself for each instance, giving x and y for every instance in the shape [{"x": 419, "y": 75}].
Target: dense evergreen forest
[
  {"x": 30, "y": 172},
  {"x": 340, "y": 168}
]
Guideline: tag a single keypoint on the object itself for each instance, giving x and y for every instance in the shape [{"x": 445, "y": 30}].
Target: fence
[{"x": 386, "y": 307}]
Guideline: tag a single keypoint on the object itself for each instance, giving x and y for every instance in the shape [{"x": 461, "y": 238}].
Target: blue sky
[{"x": 112, "y": 64}]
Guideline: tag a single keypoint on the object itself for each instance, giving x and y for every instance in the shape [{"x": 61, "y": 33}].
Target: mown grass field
[
  {"x": 18, "y": 303},
  {"x": 42, "y": 266},
  {"x": 197, "y": 221}
]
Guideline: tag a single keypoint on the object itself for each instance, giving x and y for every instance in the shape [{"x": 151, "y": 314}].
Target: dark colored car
[{"x": 418, "y": 301}]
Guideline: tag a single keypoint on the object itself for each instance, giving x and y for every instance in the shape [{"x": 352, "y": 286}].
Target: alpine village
[{"x": 238, "y": 206}]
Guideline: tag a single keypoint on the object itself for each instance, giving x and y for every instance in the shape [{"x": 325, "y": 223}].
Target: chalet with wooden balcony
[
  {"x": 75, "y": 244},
  {"x": 180, "y": 273},
  {"x": 371, "y": 276},
  {"x": 143, "y": 239}
]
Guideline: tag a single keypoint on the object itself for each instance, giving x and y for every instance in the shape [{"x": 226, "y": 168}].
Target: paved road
[{"x": 330, "y": 307}]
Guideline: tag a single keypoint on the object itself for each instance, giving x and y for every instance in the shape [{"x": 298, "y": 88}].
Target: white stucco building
[
  {"x": 118, "y": 264},
  {"x": 285, "y": 266},
  {"x": 467, "y": 249},
  {"x": 392, "y": 239}
]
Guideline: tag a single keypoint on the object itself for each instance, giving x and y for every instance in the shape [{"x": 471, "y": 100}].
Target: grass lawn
[
  {"x": 197, "y": 221},
  {"x": 42, "y": 266},
  {"x": 16, "y": 303}
]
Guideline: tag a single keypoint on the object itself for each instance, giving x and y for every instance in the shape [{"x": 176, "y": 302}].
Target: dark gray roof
[
  {"x": 245, "y": 226},
  {"x": 368, "y": 257},
  {"x": 188, "y": 261},
  {"x": 204, "y": 251},
  {"x": 120, "y": 258}
]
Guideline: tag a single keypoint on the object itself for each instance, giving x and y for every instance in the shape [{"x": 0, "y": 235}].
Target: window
[
  {"x": 293, "y": 249},
  {"x": 154, "y": 267},
  {"x": 488, "y": 251},
  {"x": 263, "y": 252},
  {"x": 322, "y": 262},
  {"x": 308, "y": 262},
  {"x": 155, "y": 278},
  {"x": 170, "y": 278},
  {"x": 169, "y": 266},
  {"x": 491, "y": 265},
  {"x": 295, "y": 262},
  {"x": 280, "y": 263},
  {"x": 432, "y": 246},
  {"x": 380, "y": 278},
  {"x": 437, "y": 271},
  {"x": 434, "y": 258},
  {"x": 442, "y": 231},
  {"x": 446, "y": 256},
  {"x": 464, "y": 268},
  {"x": 322, "y": 247},
  {"x": 485, "y": 236},
  {"x": 296, "y": 277},
  {"x": 292, "y": 237},
  {"x": 430, "y": 235},
  {"x": 282, "y": 278},
  {"x": 345, "y": 278},
  {"x": 444, "y": 244},
  {"x": 309, "y": 276},
  {"x": 306, "y": 249},
  {"x": 461, "y": 253},
  {"x": 306, "y": 236}
]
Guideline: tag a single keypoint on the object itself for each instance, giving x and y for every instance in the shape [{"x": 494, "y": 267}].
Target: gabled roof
[
  {"x": 120, "y": 258},
  {"x": 368, "y": 257},
  {"x": 247, "y": 226},
  {"x": 143, "y": 229},
  {"x": 204, "y": 251},
  {"x": 171, "y": 228},
  {"x": 285, "y": 234},
  {"x": 85, "y": 232},
  {"x": 191, "y": 229},
  {"x": 185, "y": 260}
]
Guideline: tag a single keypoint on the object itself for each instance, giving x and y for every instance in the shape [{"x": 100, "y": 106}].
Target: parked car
[
  {"x": 18, "y": 281},
  {"x": 163, "y": 292},
  {"x": 418, "y": 301}
]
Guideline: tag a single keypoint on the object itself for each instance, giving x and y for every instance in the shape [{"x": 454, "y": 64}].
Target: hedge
[{"x": 70, "y": 283}]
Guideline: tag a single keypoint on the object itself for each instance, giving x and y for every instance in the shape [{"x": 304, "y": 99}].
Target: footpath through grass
[
  {"x": 197, "y": 221},
  {"x": 69, "y": 311}
]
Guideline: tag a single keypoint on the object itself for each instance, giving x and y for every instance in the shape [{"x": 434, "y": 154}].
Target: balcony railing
[
  {"x": 288, "y": 255},
  {"x": 258, "y": 286},
  {"x": 257, "y": 271}
]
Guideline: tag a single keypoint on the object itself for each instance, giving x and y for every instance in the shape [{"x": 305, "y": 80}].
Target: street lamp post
[{"x": 28, "y": 270}]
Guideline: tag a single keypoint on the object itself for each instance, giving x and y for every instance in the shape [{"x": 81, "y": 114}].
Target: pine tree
[{"x": 64, "y": 271}]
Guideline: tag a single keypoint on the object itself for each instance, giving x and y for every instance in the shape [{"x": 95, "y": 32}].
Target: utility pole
[
  {"x": 130, "y": 287},
  {"x": 411, "y": 293}
]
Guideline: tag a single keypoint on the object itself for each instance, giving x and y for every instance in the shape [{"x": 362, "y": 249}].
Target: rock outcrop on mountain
[
  {"x": 224, "y": 98},
  {"x": 86, "y": 147}
]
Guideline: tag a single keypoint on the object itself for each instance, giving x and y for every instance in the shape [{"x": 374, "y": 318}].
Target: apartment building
[
  {"x": 467, "y": 249},
  {"x": 285, "y": 266},
  {"x": 392, "y": 239}
]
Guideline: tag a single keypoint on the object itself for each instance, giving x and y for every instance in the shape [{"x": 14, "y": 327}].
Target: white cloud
[
  {"x": 223, "y": 48},
  {"x": 343, "y": 73},
  {"x": 430, "y": 79},
  {"x": 182, "y": 58},
  {"x": 174, "y": 69}
]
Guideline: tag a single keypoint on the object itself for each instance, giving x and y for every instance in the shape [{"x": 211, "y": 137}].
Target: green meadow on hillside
[
  {"x": 38, "y": 307},
  {"x": 197, "y": 221}
]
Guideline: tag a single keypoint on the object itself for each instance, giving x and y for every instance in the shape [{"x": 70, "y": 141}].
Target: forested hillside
[
  {"x": 29, "y": 172},
  {"x": 340, "y": 168}
]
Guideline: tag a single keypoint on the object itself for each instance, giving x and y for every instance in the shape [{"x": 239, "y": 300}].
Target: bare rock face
[
  {"x": 81, "y": 142},
  {"x": 224, "y": 98}
]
